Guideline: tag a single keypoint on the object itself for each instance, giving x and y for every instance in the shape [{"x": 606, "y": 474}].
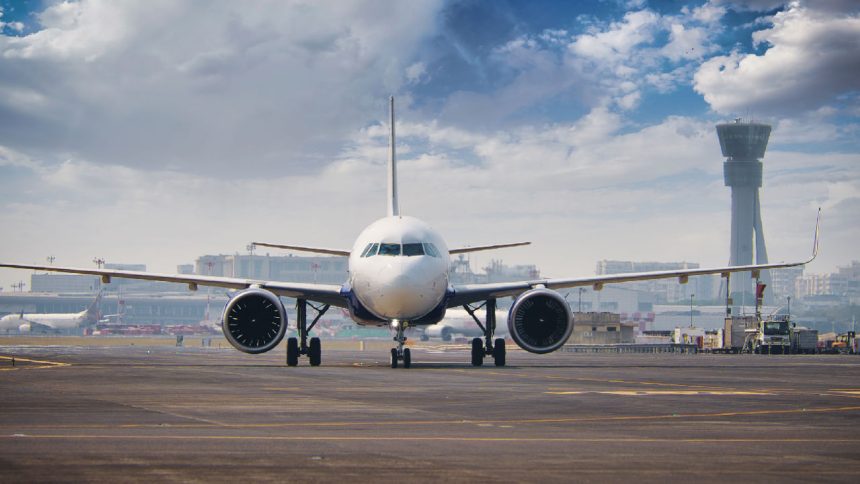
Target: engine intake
[
  {"x": 254, "y": 321},
  {"x": 540, "y": 321}
]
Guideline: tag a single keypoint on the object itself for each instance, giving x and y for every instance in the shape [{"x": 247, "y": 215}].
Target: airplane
[
  {"x": 47, "y": 322},
  {"x": 462, "y": 323},
  {"x": 398, "y": 276}
]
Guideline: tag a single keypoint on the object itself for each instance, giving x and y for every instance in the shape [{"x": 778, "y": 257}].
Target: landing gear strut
[
  {"x": 299, "y": 346},
  {"x": 400, "y": 353},
  {"x": 488, "y": 347}
]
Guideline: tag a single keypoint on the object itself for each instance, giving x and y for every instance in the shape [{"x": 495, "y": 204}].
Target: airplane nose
[{"x": 402, "y": 297}]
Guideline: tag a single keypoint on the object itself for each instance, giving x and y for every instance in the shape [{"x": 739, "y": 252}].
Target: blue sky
[{"x": 153, "y": 132}]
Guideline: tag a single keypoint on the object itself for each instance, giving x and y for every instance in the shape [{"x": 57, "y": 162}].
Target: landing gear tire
[
  {"x": 292, "y": 351},
  {"x": 499, "y": 352},
  {"x": 315, "y": 352},
  {"x": 407, "y": 358},
  {"x": 394, "y": 357},
  {"x": 477, "y": 352}
]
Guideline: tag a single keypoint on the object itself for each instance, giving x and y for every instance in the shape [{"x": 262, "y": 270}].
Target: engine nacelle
[
  {"x": 254, "y": 321},
  {"x": 25, "y": 328},
  {"x": 540, "y": 321}
]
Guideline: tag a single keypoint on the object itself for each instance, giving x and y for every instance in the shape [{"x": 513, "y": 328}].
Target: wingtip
[{"x": 817, "y": 234}]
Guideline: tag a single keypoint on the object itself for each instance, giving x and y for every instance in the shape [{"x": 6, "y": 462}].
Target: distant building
[
  {"x": 663, "y": 290},
  {"x": 320, "y": 269},
  {"x": 461, "y": 272},
  {"x": 783, "y": 282},
  {"x": 63, "y": 283},
  {"x": 842, "y": 285}
]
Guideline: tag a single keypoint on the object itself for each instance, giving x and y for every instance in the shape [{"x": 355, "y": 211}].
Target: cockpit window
[
  {"x": 371, "y": 251},
  {"x": 389, "y": 249},
  {"x": 366, "y": 250},
  {"x": 410, "y": 250},
  {"x": 431, "y": 250}
]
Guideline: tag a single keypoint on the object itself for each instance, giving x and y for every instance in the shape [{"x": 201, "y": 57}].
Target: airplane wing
[
  {"x": 469, "y": 293},
  {"x": 323, "y": 293},
  {"x": 300, "y": 248},
  {"x": 486, "y": 247}
]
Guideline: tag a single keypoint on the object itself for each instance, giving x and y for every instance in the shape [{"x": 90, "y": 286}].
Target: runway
[{"x": 193, "y": 414}]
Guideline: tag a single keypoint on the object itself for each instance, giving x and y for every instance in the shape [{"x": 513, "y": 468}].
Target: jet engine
[
  {"x": 540, "y": 321},
  {"x": 440, "y": 331},
  {"x": 254, "y": 321},
  {"x": 24, "y": 328}
]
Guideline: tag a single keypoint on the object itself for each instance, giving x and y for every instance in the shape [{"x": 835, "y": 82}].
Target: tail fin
[
  {"x": 393, "y": 200},
  {"x": 94, "y": 309}
]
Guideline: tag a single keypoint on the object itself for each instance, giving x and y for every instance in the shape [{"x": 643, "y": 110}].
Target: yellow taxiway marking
[
  {"x": 40, "y": 363},
  {"x": 429, "y": 439},
  {"x": 658, "y": 392},
  {"x": 387, "y": 423}
]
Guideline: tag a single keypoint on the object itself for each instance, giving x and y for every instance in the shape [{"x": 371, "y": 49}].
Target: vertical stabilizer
[{"x": 393, "y": 200}]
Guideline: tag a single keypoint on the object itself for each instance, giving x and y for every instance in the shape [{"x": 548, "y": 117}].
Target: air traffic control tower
[{"x": 743, "y": 144}]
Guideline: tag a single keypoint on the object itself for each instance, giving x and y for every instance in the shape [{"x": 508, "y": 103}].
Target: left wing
[
  {"x": 323, "y": 293},
  {"x": 469, "y": 293}
]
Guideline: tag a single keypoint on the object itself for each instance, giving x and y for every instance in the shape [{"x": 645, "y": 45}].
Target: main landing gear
[
  {"x": 400, "y": 353},
  {"x": 299, "y": 346},
  {"x": 488, "y": 347}
]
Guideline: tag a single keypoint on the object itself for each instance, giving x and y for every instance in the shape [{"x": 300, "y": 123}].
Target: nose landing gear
[{"x": 400, "y": 353}]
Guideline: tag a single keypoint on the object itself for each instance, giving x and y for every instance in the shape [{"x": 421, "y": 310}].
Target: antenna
[{"x": 393, "y": 200}]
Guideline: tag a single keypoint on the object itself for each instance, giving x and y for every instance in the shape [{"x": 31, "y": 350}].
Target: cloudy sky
[{"x": 157, "y": 131}]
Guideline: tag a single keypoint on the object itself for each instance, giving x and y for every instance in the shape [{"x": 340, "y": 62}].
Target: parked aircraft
[
  {"x": 398, "y": 276},
  {"x": 47, "y": 322}
]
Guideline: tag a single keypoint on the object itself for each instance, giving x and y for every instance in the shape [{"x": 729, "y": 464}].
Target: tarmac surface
[{"x": 158, "y": 413}]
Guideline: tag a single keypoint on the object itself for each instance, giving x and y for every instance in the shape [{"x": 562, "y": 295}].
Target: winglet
[
  {"x": 393, "y": 200},
  {"x": 815, "y": 241}
]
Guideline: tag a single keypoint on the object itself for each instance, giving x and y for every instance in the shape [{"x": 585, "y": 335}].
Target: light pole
[
  {"x": 789, "y": 307},
  {"x": 691, "y": 310},
  {"x": 581, "y": 290}
]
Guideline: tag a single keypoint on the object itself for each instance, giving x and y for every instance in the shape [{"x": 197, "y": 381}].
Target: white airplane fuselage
[
  {"x": 51, "y": 321},
  {"x": 398, "y": 270}
]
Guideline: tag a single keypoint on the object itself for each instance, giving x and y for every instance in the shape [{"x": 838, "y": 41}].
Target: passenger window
[
  {"x": 389, "y": 249},
  {"x": 372, "y": 251},
  {"x": 410, "y": 250}
]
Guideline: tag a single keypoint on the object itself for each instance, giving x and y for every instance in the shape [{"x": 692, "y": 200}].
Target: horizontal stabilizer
[
  {"x": 486, "y": 247},
  {"x": 317, "y": 250}
]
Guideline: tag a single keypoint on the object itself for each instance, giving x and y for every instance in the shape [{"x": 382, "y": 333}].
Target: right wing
[
  {"x": 323, "y": 293},
  {"x": 469, "y": 293},
  {"x": 486, "y": 247},
  {"x": 316, "y": 250}
]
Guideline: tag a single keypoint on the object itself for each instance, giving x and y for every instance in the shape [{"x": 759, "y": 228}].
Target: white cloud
[
  {"x": 196, "y": 88},
  {"x": 811, "y": 58},
  {"x": 416, "y": 73}
]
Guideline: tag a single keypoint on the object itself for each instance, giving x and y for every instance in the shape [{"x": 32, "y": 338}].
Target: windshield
[
  {"x": 389, "y": 249},
  {"x": 775, "y": 327},
  {"x": 410, "y": 250}
]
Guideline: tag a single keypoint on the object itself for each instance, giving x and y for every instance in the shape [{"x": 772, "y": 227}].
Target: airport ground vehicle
[
  {"x": 844, "y": 344},
  {"x": 804, "y": 341}
]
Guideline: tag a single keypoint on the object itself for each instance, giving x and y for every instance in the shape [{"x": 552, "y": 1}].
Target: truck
[
  {"x": 734, "y": 333},
  {"x": 767, "y": 336},
  {"x": 771, "y": 337},
  {"x": 804, "y": 341}
]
